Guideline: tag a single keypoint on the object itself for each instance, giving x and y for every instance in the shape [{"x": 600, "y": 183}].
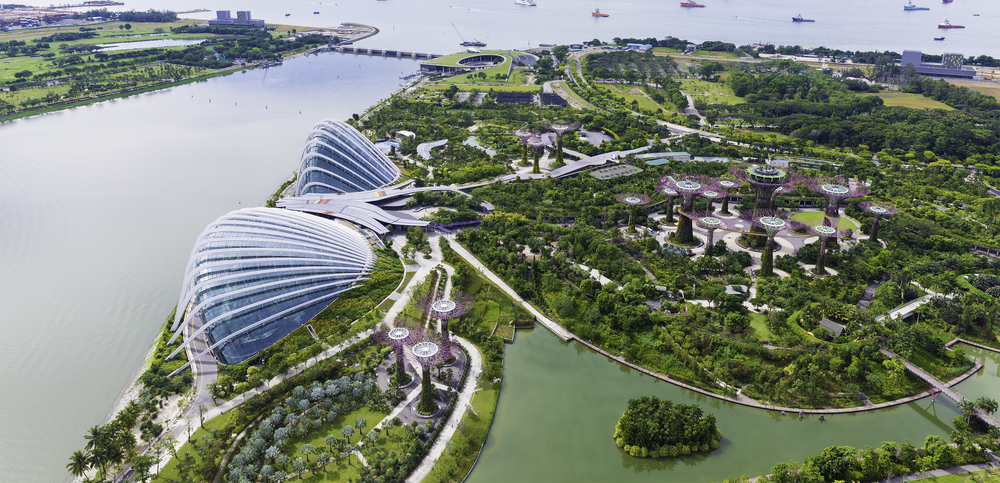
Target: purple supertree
[
  {"x": 671, "y": 194},
  {"x": 712, "y": 195},
  {"x": 632, "y": 200},
  {"x": 443, "y": 308},
  {"x": 835, "y": 189},
  {"x": 560, "y": 128},
  {"x": 398, "y": 338},
  {"x": 825, "y": 233},
  {"x": 729, "y": 185},
  {"x": 709, "y": 223},
  {"x": 770, "y": 222},
  {"x": 688, "y": 186},
  {"x": 524, "y": 135},
  {"x": 429, "y": 351},
  {"x": 537, "y": 143},
  {"x": 879, "y": 210},
  {"x": 765, "y": 181}
]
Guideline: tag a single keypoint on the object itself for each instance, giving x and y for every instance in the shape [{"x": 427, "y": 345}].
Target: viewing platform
[{"x": 385, "y": 52}]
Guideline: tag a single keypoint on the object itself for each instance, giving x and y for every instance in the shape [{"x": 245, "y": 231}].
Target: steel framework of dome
[
  {"x": 257, "y": 274},
  {"x": 339, "y": 159}
]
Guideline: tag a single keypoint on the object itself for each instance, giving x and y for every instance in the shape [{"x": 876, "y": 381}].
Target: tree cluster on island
[{"x": 655, "y": 428}]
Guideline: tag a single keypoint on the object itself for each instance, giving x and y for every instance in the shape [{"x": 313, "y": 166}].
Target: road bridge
[{"x": 941, "y": 387}]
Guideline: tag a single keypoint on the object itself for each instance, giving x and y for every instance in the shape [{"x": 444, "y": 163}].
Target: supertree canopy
[
  {"x": 771, "y": 222},
  {"x": 879, "y": 210},
  {"x": 729, "y": 185},
  {"x": 688, "y": 186},
  {"x": 536, "y": 143},
  {"x": 764, "y": 180},
  {"x": 429, "y": 351},
  {"x": 398, "y": 338},
  {"x": 825, "y": 233},
  {"x": 443, "y": 308},
  {"x": 714, "y": 194},
  {"x": 671, "y": 194},
  {"x": 632, "y": 200},
  {"x": 835, "y": 189},
  {"x": 560, "y": 128},
  {"x": 709, "y": 223},
  {"x": 524, "y": 135}
]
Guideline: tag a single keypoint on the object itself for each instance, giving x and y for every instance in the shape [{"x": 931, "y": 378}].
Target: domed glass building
[
  {"x": 339, "y": 159},
  {"x": 257, "y": 274}
]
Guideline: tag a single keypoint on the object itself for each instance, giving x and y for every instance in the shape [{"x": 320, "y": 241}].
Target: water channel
[{"x": 560, "y": 402}]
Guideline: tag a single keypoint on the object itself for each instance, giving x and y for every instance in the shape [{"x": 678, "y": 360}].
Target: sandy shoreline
[{"x": 131, "y": 390}]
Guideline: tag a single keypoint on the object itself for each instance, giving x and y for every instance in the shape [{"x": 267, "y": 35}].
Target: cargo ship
[
  {"x": 948, "y": 25},
  {"x": 473, "y": 43},
  {"x": 692, "y": 5},
  {"x": 800, "y": 19},
  {"x": 910, "y": 6},
  {"x": 530, "y": 3},
  {"x": 597, "y": 13},
  {"x": 947, "y": 1},
  {"x": 938, "y": 38}
]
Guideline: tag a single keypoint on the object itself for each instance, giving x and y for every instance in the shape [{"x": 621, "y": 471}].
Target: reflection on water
[{"x": 560, "y": 404}]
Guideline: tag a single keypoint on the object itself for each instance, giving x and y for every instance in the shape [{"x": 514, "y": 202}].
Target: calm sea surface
[
  {"x": 100, "y": 205},
  {"x": 847, "y": 24},
  {"x": 99, "y": 208}
]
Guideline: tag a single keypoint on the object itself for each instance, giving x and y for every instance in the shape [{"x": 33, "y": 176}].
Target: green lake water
[{"x": 560, "y": 402}]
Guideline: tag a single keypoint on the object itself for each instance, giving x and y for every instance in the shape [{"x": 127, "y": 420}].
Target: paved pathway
[
  {"x": 548, "y": 323},
  {"x": 464, "y": 398},
  {"x": 955, "y": 470}
]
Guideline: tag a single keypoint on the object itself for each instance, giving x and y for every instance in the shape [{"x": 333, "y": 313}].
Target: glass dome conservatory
[
  {"x": 339, "y": 159},
  {"x": 257, "y": 274}
]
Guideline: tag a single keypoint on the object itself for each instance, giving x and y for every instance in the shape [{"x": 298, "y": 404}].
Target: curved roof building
[
  {"x": 257, "y": 274},
  {"x": 339, "y": 159}
]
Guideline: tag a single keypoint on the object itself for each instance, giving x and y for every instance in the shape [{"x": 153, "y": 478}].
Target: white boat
[{"x": 530, "y": 3}]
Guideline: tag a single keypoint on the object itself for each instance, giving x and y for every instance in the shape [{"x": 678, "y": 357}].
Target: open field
[
  {"x": 630, "y": 93},
  {"x": 759, "y": 324},
  {"x": 988, "y": 89},
  {"x": 913, "y": 101},
  {"x": 816, "y": 218},
  {"x": 710, "y": 92}
]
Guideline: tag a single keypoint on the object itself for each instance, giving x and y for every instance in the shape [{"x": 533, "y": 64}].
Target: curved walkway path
[{"x": 740, "y": 399}]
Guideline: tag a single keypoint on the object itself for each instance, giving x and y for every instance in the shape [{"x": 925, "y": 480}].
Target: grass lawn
[
  {"x": 664, "y": 50},
  {"x": 759, "y": 324},
  {"x": 630, "y": 94},
  {"x": 708, "y": 53},
  {"x": 988, "y": 89},
  {"x": 452, "y": 467},
  {"x": 486, "y": 88},
  {"x": 710, "y": 92},
  {"x": 913, "y": 101},
  {"x": 317, "y": 437},
  {"x": 169, "y": 471},
  {"x": 816, "y": 218}
]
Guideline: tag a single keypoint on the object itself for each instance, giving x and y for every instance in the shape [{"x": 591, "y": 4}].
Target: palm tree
[
  {"x": 79, "y": 463},
  {"x": 322, "y": 460},
  {"x": 348, "y": 431},
  {"x": 307, "y": 449},
  {"x": 360, "y": 424},
  {"x": 329, "y": 441}
]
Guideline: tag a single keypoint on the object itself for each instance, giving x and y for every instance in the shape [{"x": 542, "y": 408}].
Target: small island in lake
[{"x": 654, "y": 428}]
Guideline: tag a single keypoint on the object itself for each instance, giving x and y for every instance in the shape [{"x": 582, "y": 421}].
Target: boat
[
  {"x": 690, "y": 4},
  {"x": 910, "y": 7},
  {"x": 473, "y": 43},
  {"x": 288, "y": 15},
  {"x": 975, "y": 15},
  {"x": 948, "y": 25},
  {"x": 800, "y": 19},
  {"x": 527, "y": 3},
  {"x": 315, "y": 13},
  {"x": 947, "y": 1},
  {"x": 597, "y": 13},
  {"x": 938, "y": 38}
]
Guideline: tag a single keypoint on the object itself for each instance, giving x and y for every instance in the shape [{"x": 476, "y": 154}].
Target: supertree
[
  {"x": 765, "y": 181},
  {"x": 537, "y": 143},
  {"x": 825, "y": 233},
  {"x": 398, "y": 338},
  {"x": 770, "y": 222},
  {"x": 443, "y": 308},
  {"x": 709, "y": 223},
  {"x": 632, "y": 200},
  {"x": 560, "y": 128},
  {"x": 879, "y": 210},
  {"x": 524, "y": 135},
  {"x": 671, "y": 194},
  {"x": 430, "y": 350},
  {"x": 835, "y": 189},
  {"x": 712, "y": 195},
  {"x": 688, "y": 186},
  {"x": 729, "y": 185}
]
